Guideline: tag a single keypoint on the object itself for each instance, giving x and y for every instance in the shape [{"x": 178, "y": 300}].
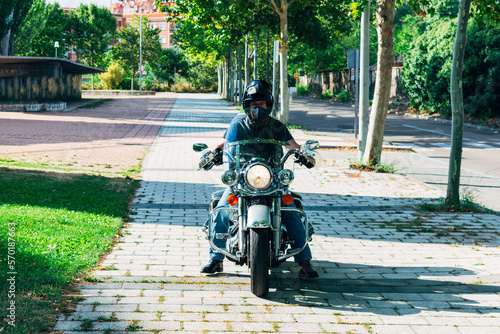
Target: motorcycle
[{"x": 259, "y": 180}]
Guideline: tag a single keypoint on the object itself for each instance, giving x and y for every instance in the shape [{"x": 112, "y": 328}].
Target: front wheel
[{"x": 259, "y": 261}]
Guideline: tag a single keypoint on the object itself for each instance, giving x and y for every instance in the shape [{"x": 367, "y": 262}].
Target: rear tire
[{"x": 259, "y": 261}]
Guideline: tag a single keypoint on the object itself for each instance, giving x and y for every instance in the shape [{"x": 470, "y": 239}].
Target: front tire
[{"x": 259, "y": 261}]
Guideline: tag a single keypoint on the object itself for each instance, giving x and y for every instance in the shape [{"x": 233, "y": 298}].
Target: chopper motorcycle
[{"x": 259, "y": 183}]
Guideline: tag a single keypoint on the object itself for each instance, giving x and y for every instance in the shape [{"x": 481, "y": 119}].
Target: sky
[{"x": 76, "y": 3}]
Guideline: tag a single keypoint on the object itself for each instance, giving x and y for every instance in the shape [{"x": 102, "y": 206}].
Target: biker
[{"x": 257, "y": 123}]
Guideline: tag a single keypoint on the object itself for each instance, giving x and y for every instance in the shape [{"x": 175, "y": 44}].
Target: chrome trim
[
  {"x": 242, "y": 221},
  {"x": 259, "y": 216},
  {"x": 210, "y": 235},
  {"x": 256, "y": 190},
  {"x": 260, "y": 141},
  {"x": 284, "y": 257},
  {"x": 276, "y": 214}
]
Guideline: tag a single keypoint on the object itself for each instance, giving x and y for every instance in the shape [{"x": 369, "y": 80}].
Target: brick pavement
[{"x": 384, "y": 267}]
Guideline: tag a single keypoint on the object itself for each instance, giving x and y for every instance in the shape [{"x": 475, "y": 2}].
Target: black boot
[
  {"x": 306, "y": 270},
  {"x": 212, "y": 267}
]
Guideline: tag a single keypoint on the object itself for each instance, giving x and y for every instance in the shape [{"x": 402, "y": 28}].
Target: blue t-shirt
[{"x": 241, "y": 128}]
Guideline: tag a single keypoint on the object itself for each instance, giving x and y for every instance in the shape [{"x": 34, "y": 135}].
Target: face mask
[{"x": 258, "y": 115}]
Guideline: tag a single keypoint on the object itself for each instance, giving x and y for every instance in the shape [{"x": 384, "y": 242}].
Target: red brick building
[{"x": 125, "y": 10}]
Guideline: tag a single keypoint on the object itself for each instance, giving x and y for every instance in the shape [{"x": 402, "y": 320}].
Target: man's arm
[
  {"x": 293, "y": 145},
  {"x": 220, "y": 144}
]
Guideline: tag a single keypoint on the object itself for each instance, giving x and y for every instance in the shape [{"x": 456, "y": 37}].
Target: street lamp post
[{"x": 56, "y": 45}]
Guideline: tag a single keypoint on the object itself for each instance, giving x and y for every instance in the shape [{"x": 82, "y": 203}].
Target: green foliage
[
  {"x": 202, "y": 76},
  {"x": 379, "y": 167},
  {"x": 169, "y": 59},
  {"x": 303, "y": 90},
  {"x": 428, "y": 66},
  {"x": 12, "y": 14},
  {"x": 426, "y": 77},
  {"x": 327, "y": 95},
  {"x": 93, "y": 29},
  {"x": 51, "y": 24},
  {"x": 126, "y": 51},
  {"x": 482, "y": 71},
  {"x": 344, "y": 96},
  {"x": 112, "y": 78}
]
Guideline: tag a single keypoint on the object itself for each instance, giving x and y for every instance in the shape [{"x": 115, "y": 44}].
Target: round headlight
[
  {"x": 286, "y": 176},
  {"x": 229, "y": 178},
  {"x": 258, "y": 177}
]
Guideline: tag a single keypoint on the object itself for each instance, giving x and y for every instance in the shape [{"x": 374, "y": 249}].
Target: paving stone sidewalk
[{"x": 384, "y": 267}]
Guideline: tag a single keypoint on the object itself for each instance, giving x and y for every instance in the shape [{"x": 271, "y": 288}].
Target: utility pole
[
  {"x": 364, "y": 87},
  {"x": 140, "y": 48},
  {"x": 275, "y": 79}
]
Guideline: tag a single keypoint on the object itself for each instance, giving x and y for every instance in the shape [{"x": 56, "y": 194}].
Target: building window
[
  {"x": 163, "y": 40},
  {"x": 163, "y": 26},
  {"x": 153, "y": 25}
]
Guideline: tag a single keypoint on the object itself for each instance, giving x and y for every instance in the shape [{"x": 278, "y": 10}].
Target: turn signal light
[
  {"x": 232, "y": 200},
  {"x": 288, "y": 199}
]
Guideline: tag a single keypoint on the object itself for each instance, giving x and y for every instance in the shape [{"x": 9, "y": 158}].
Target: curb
[
  {"x": 384, "y": 147},
  {"x": 117, "y": 92},
  {"x": 436, "y": 119}
]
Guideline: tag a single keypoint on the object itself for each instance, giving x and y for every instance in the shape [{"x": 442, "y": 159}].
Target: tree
[
  {"x": 12, "y": 14},
  {"x": 53, "y": 25},
  {"x": 113, "y": 77},
  {"x": 385, "y": 60},
  {"x": 93, "y": 29},
  {"x": 486, "y": 9},
  {"x": 169, "y": 60},
  {"x": 31, "y": 27},
  {"x": 457, "y": 105},
  {"x": 126, "y": 51}
]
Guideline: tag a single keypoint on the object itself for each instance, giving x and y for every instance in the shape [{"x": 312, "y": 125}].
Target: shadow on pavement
[{"x": 382, "y": 295}]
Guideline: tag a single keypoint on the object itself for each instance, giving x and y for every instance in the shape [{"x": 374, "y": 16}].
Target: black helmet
[{"x": 258, "y": 90}]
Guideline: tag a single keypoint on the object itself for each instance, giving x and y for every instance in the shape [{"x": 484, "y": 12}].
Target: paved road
[
  {"x": 385, "y": 268},
  {"x": 431, "y": 140}
]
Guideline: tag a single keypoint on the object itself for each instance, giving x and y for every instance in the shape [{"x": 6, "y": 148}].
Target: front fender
[{"x": 259, "y": 216}]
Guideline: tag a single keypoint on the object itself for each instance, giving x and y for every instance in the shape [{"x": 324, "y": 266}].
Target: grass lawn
[{"x": 60, "y": 224}]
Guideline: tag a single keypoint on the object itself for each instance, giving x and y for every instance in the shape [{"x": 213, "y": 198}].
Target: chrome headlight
[
  {"x": 258, "y": 176},
  {"x": 229, "y": 178},
  {"x": 286, "y": 176}
]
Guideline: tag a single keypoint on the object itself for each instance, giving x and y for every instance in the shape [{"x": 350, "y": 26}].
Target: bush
[
  {"x": 112, "y": 78},
  {"x": 327, "y": 95},
  {"x": 343, "y": 97},
  {"x": 426, "y": 77},
  {"x": 303, "y": 90}
]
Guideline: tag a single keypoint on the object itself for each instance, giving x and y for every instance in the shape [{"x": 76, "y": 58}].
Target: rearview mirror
[
  {"x": 198, "y": 147},
  {"x": 311, "y": 144}
]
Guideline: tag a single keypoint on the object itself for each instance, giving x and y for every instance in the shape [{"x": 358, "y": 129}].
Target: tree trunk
[
  {"x": 231, "y": 74},
  {"x": 385, "y": 60},
  {"x": 219, "y": 80},
  {"x": 284, "y": 99},
  {"x": 267, "y": 55},
  {"x": 238, "y": 73},
  {"x": 255, "y": 49},
  {"x": 364, "y": 87},
  {"x": 5, "y": 42},
  {"x": 247, "y": 63},
  {"x": 457, "y": 105}
]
